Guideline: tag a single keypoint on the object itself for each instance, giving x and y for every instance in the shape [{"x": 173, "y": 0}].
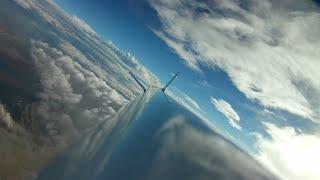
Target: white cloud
[
  {"x": 82, "y": 24},
  {"x": 186, "y": 100},
  {"x": 25, "y": 3},
  {"x": 37, "y": 7},
  {"x": 113, "y": 65},
  {"x": 77, "y": 93},
  {"x": 104, "y": 58},
  {"x": 270, "y": 49},
  {"x": 52, "y": 11},
  {"x": 84, "y": 79},
  {"x": 291, "y": 155},
  {"x": 191, "y": 101},
  {"x": 109, "y": 72},
  {"x": 146, "y": 75},
  {"x": 73, "y": 99},
  {"x": 226, "y": 109}
]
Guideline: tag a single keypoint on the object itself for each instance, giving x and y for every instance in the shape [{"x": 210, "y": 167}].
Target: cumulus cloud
[
  {"x": 113, "y": 65},
  {"x": 5, "y": 117},
  {"x": 73, "y": 99},
  {"x": 289, "y": 154},
  {"x": 147, "y": 76},
  {"x": 37, "y": 7},
  {"x": 50, "y": 15},
  {"x": 84, "y": 79},
  {"x": 82, "y": 24},
  {"x": 269, "y": 49},
  {"x": 81, "y": 42},
  {"x": 226, "y": 109}
]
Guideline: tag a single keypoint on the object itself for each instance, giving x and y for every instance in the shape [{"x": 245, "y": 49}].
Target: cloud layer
[
  {"x": 269, "y": 49},
  {"x": 226, "y": 109},
  {"x": 51, "y": 15},
  {"x": 73, "y": 99},
  {"x": 84, "y": 80}
]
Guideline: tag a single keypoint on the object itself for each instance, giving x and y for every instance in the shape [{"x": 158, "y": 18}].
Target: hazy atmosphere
[{"x": 245, "y": 105}]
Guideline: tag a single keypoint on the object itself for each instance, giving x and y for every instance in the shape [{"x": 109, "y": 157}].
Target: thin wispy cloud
[
  {"x": 191, "y": 101},
  {"x": 227, "y": 110},
  {"x": 185, "y": 100},
  {"x": 82, "y": 24}
]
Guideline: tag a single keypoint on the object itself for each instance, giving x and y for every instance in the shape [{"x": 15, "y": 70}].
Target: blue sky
[
  {"x": 257, "y": 57},
  {"x": 130, "y": 30}
]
